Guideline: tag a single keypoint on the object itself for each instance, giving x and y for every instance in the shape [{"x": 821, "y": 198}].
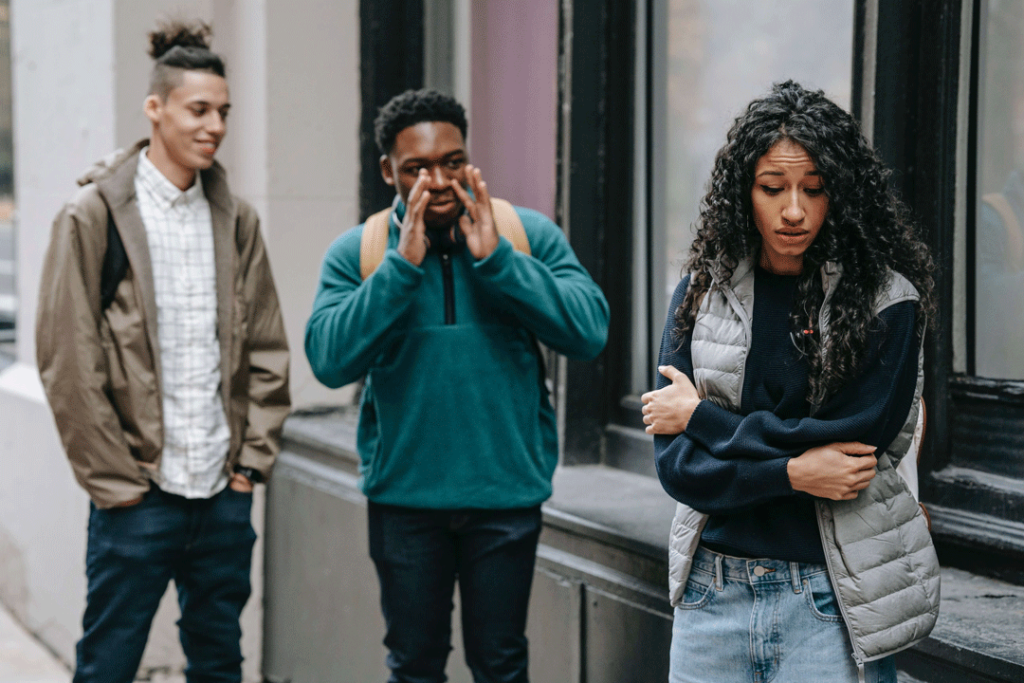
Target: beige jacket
[{"x": 101, "y": 368}]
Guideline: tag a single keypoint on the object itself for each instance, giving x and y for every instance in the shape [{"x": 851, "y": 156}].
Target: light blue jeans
[{"x": 761, "y": 621}]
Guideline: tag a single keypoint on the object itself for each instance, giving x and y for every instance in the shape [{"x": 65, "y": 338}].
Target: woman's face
[{"x": 789, "y": 206}]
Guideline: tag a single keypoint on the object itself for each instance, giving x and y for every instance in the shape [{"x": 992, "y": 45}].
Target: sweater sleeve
[
  {"x": 351, "y": 316},
  {"x": 688, "y": 471},
  {"x": 549, "y": 291},
  {"x": 871, "y": 408}
]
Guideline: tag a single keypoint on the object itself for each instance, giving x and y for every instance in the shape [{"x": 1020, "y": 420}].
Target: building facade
[{"x": 605, "y": 115}]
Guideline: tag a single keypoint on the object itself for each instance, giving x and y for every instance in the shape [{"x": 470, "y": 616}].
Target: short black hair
[
  {"x": 178, "y": 47},
  {"x": 412, "y": 107}
]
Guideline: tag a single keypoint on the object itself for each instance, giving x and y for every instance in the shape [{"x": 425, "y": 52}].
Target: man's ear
[
  {"x": 151, "y": 106},
  {"x": 386, "y": 171}
]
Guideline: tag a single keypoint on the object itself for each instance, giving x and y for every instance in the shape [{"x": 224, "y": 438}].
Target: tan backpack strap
[
  {"x": 1014, "y": 236},
  {"x": 509, "y": 225},
  {"x": 373, "y": 243}
]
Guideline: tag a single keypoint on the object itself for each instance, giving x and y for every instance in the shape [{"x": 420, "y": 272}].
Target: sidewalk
[{"x": 23, "y": 659}]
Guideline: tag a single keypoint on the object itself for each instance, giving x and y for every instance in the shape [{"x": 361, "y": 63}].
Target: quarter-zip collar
[{"x": 440, "y": 240}]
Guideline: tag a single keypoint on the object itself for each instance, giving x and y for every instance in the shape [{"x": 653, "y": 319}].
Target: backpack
[
  {"x": 374, "y": 241},
  {"x": 115, "y": 264}
]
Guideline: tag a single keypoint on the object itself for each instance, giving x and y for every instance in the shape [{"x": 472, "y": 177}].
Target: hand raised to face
[
  {"x": 413, "y": 242},
  {"x": 477, "y": 223}
]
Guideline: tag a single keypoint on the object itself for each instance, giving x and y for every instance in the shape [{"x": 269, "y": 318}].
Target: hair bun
[{"x": 179, "y": 34}]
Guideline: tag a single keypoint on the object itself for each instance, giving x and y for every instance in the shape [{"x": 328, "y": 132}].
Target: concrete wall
[
  {"x": 80, "y": 75},
  {"x": 598, "y": 611}
]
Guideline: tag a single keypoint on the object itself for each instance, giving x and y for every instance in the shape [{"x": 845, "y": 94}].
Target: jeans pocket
[
  {"x": 821, "y": 599},
  {"x": 698, "y": 592}
]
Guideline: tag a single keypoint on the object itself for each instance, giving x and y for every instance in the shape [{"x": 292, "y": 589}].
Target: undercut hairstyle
[
  {"x": 867, "y": 229},
  {"x": 178, "y": 47},
  {"x": 412, "y": 107}
]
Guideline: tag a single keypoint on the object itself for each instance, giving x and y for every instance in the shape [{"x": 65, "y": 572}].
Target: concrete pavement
[{"x": 23, "y": 659}]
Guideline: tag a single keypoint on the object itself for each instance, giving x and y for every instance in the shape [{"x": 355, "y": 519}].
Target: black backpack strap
[{"x": 115, "y": 264}]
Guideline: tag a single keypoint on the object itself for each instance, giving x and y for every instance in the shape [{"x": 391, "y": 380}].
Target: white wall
[
  {"x": 80, "y": 75},
  {"x": 312, "y": 118}
]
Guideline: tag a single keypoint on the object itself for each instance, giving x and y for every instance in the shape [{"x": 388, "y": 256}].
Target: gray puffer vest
[{"x": 879, "y": 552}]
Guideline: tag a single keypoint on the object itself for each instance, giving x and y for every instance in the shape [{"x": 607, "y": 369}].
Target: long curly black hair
[{"x": 867, "y": 228}]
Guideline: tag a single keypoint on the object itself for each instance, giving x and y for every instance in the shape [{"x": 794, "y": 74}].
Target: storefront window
[
  {"x": 999, "y": 242},
  {"x": 711, "y": 57}
]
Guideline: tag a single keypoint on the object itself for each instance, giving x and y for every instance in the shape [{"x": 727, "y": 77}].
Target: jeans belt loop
[
  {"x": 719, "y": 574},
  {"x": 794, "y": 575}
]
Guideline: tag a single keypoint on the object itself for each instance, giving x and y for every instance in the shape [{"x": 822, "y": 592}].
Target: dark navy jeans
[
  {"x": 204, "y": 546},
  {"x": 419, "y": 554}
]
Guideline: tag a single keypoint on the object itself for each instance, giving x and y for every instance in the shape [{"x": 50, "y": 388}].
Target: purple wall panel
[{"x": 514, "y": 108}]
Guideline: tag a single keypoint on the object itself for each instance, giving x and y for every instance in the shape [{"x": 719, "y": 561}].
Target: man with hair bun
[
  {"x": 162, "y": 351},
  {"x": 440, "y": 302}
]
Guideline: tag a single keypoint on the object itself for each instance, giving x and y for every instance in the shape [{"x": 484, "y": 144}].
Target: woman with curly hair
[{"x": 790, "y": 378}]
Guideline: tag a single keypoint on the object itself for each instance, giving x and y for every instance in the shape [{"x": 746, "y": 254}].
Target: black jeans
[
  {"x": 205, "y": 546},
  {"x": 420, "y": 553}
]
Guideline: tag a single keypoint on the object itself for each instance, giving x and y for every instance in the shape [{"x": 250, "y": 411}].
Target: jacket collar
[
  {"x": 115, "y": 179},
  {"x": 443, "y": 240},
  {"x": 165, "y": 193},
  {"x": 830, "y": 273}
]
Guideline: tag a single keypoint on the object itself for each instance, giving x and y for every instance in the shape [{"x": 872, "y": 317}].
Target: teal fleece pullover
[{"x": 455, "y": 412}]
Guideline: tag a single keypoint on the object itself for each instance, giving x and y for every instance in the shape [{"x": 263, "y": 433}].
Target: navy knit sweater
[{"x": 733, "y": 466}]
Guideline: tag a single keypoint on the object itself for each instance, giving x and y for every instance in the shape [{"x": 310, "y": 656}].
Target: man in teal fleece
[{"x": 456, "y": 435}]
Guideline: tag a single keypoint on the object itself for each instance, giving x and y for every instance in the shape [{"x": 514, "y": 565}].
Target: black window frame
[
  {"x": 595, "y": 202},
  {"x": 975, "y": 495},
  {"x": 977, "y": 515}
]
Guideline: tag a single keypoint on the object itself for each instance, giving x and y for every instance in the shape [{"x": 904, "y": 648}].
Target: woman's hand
[
  {"x": 838, "y": 471},
  {"x": 668, "y": 410}
]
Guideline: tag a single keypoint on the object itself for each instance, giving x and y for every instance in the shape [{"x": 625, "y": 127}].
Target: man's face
[
  {"x": 192, "y": 121},
  {"x": 439, "y": 148}
]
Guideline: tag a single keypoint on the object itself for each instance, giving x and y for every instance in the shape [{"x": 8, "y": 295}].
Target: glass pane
[
  {"x": 999, "y": 273},
  {"x": 715, "y": 57}
]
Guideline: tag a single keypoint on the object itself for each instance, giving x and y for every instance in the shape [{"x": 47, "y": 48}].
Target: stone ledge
[
  {"x": 978, "y": 636},
  {"x": 620, "y": 508}
]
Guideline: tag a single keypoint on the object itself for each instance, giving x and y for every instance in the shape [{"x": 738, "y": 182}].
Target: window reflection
[{"x": 999, "y": 240}]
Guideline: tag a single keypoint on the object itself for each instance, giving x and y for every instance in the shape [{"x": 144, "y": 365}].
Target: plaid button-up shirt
[{"x": 179, "y": 230}]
